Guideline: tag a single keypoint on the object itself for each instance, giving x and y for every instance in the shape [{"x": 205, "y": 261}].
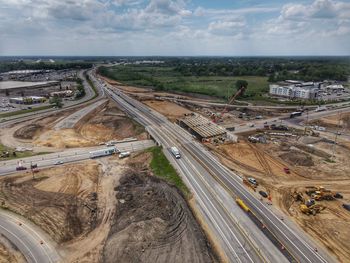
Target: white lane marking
[
  {"x": 183, "y": 167},
  {"x": 226, "y": 173},
  {"x": 20, "y": 240},
  {"x": 27, "y": 227}
]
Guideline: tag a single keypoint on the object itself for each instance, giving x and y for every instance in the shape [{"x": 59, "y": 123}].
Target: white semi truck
[
  {"x": 103, "y": 152},
  {"x": 175, "y": 152}
]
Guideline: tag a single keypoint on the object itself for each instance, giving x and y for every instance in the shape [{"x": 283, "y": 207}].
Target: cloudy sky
[{"x": 178, "y": 27}]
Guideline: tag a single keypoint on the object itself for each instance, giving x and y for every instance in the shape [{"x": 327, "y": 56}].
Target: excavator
[
  {"x": 308, "y": 207},
  {"x": 239, "y": 92},
  {"x": 311, "y": 210}
]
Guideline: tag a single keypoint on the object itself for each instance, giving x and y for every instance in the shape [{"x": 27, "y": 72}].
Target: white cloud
[{"x": 170, "y": 27}]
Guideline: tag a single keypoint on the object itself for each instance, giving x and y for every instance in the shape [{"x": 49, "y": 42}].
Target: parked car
[
  {"x": 252, "y": 181},
  {"x": 263, "y": 194}
]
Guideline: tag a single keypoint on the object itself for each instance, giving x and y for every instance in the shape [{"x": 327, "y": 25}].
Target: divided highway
[
  {"x": 197, "y": 159},
  {"x": 69, "y": 156}
]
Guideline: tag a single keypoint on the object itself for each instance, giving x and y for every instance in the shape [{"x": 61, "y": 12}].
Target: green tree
[
  {"x": 56, "y": 101},
  {"x": 241, "y": 83}
]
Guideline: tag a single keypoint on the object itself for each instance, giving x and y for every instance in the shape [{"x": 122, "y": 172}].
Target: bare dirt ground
[
  {"x": 8, "y": 253},
  {"x": 265, "y": 162},
  {"x": 169, "y": 109},
  {"x": 108, "y": 209},
  {"x": 108, "y": 124},
  {"x": 153, "y": 222},
  {"x": 58, "y": 199},
  {"x": 334, "y": 121}
]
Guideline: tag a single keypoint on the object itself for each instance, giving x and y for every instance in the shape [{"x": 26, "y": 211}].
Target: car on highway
[
  {"x": 59, "y": 162},
  {"x": 21, "y": 168}
]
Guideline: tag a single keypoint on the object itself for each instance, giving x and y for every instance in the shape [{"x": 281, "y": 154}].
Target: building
[
  {"x": 63, "y": 93},
  {"x": 305, "y": 90},
  {"x": 28, "y": 88},
  {"x": 28, "y": 100},
  {"x": 335, "y": 88}
]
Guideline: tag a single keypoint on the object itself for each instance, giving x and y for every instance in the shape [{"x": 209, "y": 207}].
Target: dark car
[
  {"x": 21, "y": 168},
  {"x": 263, "y": 194}
]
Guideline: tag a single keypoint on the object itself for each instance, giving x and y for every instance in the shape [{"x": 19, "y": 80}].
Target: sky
[{"x": 174, "y": 28}]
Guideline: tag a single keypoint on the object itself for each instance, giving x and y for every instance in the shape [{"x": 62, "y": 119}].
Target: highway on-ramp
[{"x": 27, "y": 238}]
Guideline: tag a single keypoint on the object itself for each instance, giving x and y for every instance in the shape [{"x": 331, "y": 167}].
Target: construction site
[
  {"x": 301, "y": 170},
  {"x": 99, "y": 209}
]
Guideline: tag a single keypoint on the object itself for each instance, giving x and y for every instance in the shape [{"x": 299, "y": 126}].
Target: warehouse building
[{"x": 27, "y": 88}]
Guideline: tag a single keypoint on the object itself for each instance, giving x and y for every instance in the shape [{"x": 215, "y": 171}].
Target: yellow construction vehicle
[{"x": 313, "y": 209}]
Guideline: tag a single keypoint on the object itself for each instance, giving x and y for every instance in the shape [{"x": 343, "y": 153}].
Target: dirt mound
[
  {"x": 297, "y": 158},
  {"x": 28, "y": 132},
  {"x": 153, "y": 224}
]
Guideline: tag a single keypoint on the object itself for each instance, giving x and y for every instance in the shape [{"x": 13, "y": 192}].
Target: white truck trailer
[
  {"x": 124, "y": 154},
  {"x": 103, "y": 152},
  {"x": 175, "y": 152}
]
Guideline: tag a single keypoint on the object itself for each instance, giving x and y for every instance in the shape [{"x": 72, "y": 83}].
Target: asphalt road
[
  {"x": 299, "y": 246},
  {"x": 27, "y": 238},
  {"x": 68, "y": 156}
]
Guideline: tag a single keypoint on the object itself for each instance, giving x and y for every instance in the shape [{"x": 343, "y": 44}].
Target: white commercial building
[{"x": 306, "y": 91}]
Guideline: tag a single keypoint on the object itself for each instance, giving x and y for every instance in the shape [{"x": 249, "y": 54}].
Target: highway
[
  {"x": 169, "y": 134},
  {"x": 27, "y": 238},
  {"x": 68, "y": 156}
]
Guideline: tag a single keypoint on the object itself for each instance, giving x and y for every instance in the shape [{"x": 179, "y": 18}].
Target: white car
[
  {"x": 252, "y": 181},
  {"x": 59, "y": 162}
]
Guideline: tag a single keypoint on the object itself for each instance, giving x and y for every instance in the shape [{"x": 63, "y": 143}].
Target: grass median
[
  {"x": 14, "y": 113},
  {"x": 162, "y": 168}
]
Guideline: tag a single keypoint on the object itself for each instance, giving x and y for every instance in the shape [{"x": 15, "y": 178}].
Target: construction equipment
[
  {"x": 311, "y": 210},
  {"x": 319, "y": 193},
  {"x": 239, "y": 92},
  {"x": 298, "y": 196},
  {"x": 286, "y": 170},
  {"x": 310, "y": 132}
]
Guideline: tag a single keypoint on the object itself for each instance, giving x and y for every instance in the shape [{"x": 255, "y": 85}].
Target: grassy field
[
  {"x": 166, "y": 78},
  {"x": 18, "y": 155},
  {"x": 162, "y": 168},
  {"x": 19, "y": 112}
]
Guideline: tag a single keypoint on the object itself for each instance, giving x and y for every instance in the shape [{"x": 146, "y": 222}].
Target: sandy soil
[
  {"x": 334, "y": 121},
  {"x": 58, "y": 199},
  {"x": 8, "y": 253},
  {"x": 169, "y": 109},
  {"x": 109, "y": 124},
  {"x": 264, "y": 162}
]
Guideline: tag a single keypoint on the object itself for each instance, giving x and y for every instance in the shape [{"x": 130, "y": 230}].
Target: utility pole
[{"x": 336, "y": 137}]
